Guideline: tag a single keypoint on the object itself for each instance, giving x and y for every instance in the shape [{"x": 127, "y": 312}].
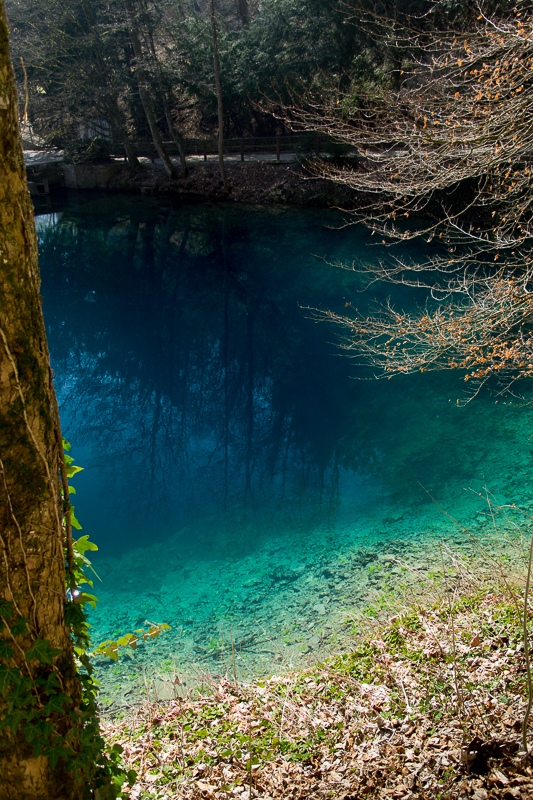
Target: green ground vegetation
[{"x": 427, "y": 701}]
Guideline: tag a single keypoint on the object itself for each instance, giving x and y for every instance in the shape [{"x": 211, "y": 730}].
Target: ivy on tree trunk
[{"x": 32, "y": 565}]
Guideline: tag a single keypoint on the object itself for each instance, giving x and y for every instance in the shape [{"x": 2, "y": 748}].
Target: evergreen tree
[{"x": 80, "y": 68}]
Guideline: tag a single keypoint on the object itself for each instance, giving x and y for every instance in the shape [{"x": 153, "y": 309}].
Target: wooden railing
[{"x": 242, "y": 146}]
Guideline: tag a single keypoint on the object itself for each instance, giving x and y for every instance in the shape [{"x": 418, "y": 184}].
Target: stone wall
[{"x": 89, "y": 176}]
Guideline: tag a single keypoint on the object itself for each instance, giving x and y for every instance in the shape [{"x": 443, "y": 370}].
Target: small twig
[
  {"x": 25, "y": 118},
  {"x": 407, "y": 704},
  {"x": 233, "y": 654}
]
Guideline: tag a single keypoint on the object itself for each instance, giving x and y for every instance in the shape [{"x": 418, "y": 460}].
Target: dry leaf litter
[{"x": 428, "y": 704}]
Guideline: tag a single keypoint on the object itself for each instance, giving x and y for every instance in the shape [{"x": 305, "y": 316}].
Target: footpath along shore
[{"x": 261, "y": 178}]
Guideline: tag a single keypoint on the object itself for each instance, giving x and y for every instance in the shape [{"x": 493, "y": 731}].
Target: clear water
[{"x": 243, "y": 481}]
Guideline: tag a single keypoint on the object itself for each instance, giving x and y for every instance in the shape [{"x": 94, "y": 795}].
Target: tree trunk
[
  {"x": 145, "y": 97},
  {"x": 32, "y": 564},
  {"x": 133, "y": 162},
  {"x": 176, "y": 136},
  {"x": 171, "y": 127},
  {"x": 243, "y": 11},
  {"x": 118, "y": 123},
  {"x": 219, "y": 101}
]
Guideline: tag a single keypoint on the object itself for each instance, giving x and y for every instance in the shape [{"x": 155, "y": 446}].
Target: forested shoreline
[
  {"x": 92, "y": 74},
  {"x": 82, "y": 62}
]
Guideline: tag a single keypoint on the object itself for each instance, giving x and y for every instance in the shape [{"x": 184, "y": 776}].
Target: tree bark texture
[
  {"x": 243, "y": 11},
  {"x": 145, "y": 96},
  {"x": 32, "y": 565},
  {"x": 219, "y": 100}
]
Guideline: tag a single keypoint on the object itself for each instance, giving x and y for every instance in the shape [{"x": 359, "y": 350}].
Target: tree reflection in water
[
  {"x": 197, "y": 391},
  {"x": 182, "y": 358}
]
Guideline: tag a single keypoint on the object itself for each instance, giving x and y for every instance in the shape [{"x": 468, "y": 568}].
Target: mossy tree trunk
[{"x": 32, "y": 565}]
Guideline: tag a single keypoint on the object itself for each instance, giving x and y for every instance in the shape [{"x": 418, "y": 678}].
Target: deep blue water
[{"x": 230, "y": 449}]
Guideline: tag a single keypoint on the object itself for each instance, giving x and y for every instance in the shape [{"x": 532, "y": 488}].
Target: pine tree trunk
[
  {"x": 219, "y": 101},
  {"x": 32, "y": 565},
  {"x": 133, "y": 162},
  {"x": 243, "y": 11},
  {"x": 164, "y": 98},
  {"x": 145, "y": 97},
  {"x": 177, "y": 139},
  {"x": 118, "y": 124}
]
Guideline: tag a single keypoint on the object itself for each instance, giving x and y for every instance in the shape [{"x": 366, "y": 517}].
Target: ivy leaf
[
  {"x": 73, "y": 521},
  {"x": 56, "y": 703},
  {"x": 38, "y": 747},
  {"x": 6, "y": 609},
  {"x": 34, "y": 729},
  {"x": 72, "y": 469},
  {"x": 74, "y": 613},
  {"x": 54, "y": 754},
  {"x": 82, "y": 578},
  {"x": 131, "y": 776},
  {"x": 6, "y": 651},
  {"x": 31, "y": 732},
  {"x": 13, "y": 719},
  {"x": 83, "y": 597},
  {"x": 43, "y": 731},
  {"x": 52, "y": 683},
  {"x": 66, "y": 445},
  {"x": 7, "y": 678},
  {"x": 19, "y": 627},
  {"x": 42, "y": 651},
  {"x": 82, "y": 544}
]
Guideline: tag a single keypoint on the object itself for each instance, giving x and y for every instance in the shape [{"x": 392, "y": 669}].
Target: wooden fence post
[{"x": 277, "y": 148}]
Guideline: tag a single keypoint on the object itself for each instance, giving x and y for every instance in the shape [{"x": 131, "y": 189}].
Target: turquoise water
[{"x": 243, "y": 480}]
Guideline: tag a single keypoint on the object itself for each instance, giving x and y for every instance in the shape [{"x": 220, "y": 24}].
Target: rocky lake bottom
[{"x": 285, "y": 606}]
